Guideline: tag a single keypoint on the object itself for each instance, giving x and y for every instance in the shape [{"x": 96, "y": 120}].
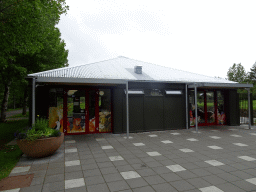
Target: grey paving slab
[
  {"x": 144, "y": 189},
  {"x": 54, "y": 178},
  {"x": 118, "y": 186},
  {"x": 102, "y": 174},
  {"x": 164, "y": 187},
  {"x": 154, "y": 179},
  {"x": 182, "y": 185},
  {"x": 230, "y": 187},
  {"x": 137, "y": 182}
]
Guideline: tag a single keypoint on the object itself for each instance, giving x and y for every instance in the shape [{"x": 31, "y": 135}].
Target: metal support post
[
  {"x": 249, "y": 107},
  {"x": 33, "y": 101},
  {"x": 186, "y": 88},
  {"x": 196, "y": 108},
  {"x": 127, "y": 110}
]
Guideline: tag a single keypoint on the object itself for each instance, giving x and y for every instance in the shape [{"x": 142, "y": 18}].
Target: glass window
[
  {"x": 76, "y": 111},
  {"x": 56, "y": 109},
  {"x": 221, "y": 116},
  {"x": 153, "y": 92},
  {"x": 104, "y": 110}
]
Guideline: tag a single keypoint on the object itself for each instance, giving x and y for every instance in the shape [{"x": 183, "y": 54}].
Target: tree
[
  {"x": 25, "y": 26},
  {"x": 237, "y": 73},
  {"x": 252, "y": 73},
  {"x": 53, "y": 55}
]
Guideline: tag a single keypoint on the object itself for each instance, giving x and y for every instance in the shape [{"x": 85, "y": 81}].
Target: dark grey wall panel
[
  {"x": 233, "y": 108},
  {"x": 174, "y": 112},
  {"x": 136, "y": 122},
  {"x": 154, "y": 113},
  {"x": 117, "y": 97}
]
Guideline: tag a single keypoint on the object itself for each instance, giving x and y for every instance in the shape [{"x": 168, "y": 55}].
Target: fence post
[{"x": 249, "y": 108}]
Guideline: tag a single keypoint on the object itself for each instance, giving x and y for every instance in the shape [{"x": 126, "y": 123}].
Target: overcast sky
[{"x": 205, "y": 37}]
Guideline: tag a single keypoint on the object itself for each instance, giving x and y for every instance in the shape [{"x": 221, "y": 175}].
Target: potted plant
[{"x": 40, "y": 140}]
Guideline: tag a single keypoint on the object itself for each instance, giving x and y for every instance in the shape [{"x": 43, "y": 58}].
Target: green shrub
[{"x": 39, "y": 130}]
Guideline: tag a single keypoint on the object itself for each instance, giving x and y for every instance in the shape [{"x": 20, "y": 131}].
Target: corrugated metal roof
[{"x": 122, "y": 68}]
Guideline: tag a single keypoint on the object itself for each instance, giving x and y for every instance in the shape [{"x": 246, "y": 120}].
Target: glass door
[
  {"x": 201, "y": 106},
  {"x": 76, "y": 111},
  {"x": 210, "y": 106},
  {"x": 87, "y": 111}
]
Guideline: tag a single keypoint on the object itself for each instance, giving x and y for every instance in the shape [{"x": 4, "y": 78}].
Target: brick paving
[{"x": 216, "y": 159}]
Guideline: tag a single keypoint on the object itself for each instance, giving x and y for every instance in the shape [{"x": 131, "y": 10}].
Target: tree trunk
[
  {"x": 5, "y": 101},
  {"x": 25, "y": 99}
]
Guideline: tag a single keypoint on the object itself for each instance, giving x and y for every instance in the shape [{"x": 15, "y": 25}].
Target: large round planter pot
[{"x": 40, "y": 147}]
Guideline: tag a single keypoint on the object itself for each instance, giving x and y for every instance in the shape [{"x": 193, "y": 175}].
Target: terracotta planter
[{"x": 40, "y": 147}]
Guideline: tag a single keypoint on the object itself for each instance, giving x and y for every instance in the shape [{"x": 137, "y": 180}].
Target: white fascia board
[
  {"x": 79, "y": 80},
  {"x": 224, "y": 85},
  {"x": 173, "y": 92}
]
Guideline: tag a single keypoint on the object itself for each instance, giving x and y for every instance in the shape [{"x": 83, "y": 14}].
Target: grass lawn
[
  {"x": 9, "y": 155},
  {"x": 244, "y": 104},
  {"x": 13, "y": 109},
  {"x": 19, "y": 115}
]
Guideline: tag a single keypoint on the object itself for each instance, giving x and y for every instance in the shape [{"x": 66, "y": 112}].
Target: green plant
[{"x": 39, "y": 130}]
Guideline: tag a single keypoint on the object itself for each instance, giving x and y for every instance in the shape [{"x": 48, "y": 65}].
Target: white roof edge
[
  {"x": 233, "y": 85},
  {"x": 79, "y": 80}
]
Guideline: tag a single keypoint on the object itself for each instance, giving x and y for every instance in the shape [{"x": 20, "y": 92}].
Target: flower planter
[{"x": 40, "y": 147}]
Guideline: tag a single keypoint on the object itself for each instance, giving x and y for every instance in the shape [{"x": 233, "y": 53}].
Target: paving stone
[
  {"x": 73, "y": 150},
  {"x": 186, "y": 174},
  {"x": 91, "y": 172},
  {"x": 214, "y": 163},
  {"x": 245, "y": 185},
  {"x": 164, "y": 187},
  {"x": 247, "y": 158},
  {"x": 176, "y": 168},
  {"x": 73, "y": 168},
  {"x": 54, "y": 178},
  {"x": 108, "y": 170},
  {"x": 94, "y": 180},
  {"x": 200, "y": 172},
  {"x": 72, "y": 163},
  {"x": 107, "y": 147},
  {"x": 77, "y": 189},
  {"x": 55, "y": 171},
  {"x": 214, "y": 180},
  {"x": 74, "y": 183},
  {"x": 228, "y": 177},
  {"x": 251, "y": 180},
  {"x": 34, "y": 188},
  {"x": 229, "y": 187},
  {"x": 118, "y": 186},
  {"x": 146, "y": 172},
  {"x": 182, "y": 185},
  {"x": 130, "y": 174},
  {"x": 37, "y": 181},
  {"x": 198, "y": 182},
  {"x": 135, "y": 183},
  {"x": 113, "y": 177},
  {"x": 73, "y": 175},
  {"x": 124, "y": 168},
  {"x": 144, "y": 189},
  {"x": 210, "y": 189},
  {"x": 55, "y": 186},
  {"x": 154, "y": 153},
  {"x": 170, "y": 177},
  {"x": 105, "y": 164},
  {"x": 20, "y": 169}
]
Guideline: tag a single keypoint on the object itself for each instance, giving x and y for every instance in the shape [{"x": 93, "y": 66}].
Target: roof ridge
[
  {"x": 173, "y": 68},
  {"x": 70, "y": 67}
]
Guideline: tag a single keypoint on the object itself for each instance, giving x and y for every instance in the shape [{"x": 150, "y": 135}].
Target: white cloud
[{"x": 205, "y": 37}]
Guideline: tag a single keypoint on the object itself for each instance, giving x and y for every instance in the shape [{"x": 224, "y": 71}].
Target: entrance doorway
[
  {"x": 210, "y": 108},
  {"x": 87, "y": 111}
]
